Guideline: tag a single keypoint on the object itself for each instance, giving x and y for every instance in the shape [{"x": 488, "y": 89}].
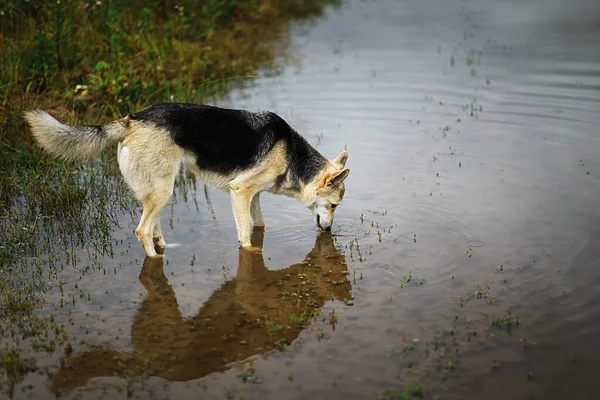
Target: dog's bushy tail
[{"x": 81, "y": 143}]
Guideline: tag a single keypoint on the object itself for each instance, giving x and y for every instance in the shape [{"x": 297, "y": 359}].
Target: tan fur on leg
[
  {"x": 240, "y": 200},
  {"x": 256, "y": 212},
  {"x": 157, "y": 233},
  {"x": 153, "y": 205}
]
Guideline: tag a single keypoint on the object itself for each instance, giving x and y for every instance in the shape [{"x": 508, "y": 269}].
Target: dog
[{"x": 237, "y": 151}]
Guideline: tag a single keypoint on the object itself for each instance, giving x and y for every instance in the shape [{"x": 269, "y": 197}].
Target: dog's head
[{"x": 330, "y": 190}]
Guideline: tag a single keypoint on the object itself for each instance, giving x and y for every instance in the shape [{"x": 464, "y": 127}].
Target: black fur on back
[{"x": 228, "y": 140}]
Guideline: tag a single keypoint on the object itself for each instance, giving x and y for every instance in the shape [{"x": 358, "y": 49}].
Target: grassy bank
[{"x": 93, "y": 62}]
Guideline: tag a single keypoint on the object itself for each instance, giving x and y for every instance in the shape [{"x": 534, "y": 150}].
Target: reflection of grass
[
  {"x": 15, "y": 367},
  {"x": 91, "y": 63}
]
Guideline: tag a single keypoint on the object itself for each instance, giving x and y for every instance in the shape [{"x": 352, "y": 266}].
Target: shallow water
[{"x": 473, "y": 134}]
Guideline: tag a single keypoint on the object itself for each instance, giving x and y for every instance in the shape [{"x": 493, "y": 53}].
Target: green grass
[
  {"x": 506, "y": 321},
  {"x": 414, "y": 391},
  {"x": 121, "y": 55},
  {"x": 91, "y": 64}
]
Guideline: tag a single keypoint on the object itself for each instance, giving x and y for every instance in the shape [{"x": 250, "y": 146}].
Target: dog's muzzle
[{"x": 325, "y": 228}]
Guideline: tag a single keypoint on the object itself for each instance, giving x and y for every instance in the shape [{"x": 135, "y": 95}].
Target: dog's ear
[
  {"x": 340, "y": 160},
  {"x": 332, "y": 181},
  {"x": 337, "y": 178}
]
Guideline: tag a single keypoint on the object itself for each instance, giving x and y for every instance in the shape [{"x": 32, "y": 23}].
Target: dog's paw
[{"x": 159, "y": 242}]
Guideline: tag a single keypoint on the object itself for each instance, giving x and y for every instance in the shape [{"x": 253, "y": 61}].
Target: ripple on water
[
  {"x": 289, "y": 225},
  {"x": 351, "y": 228},
  {"x": 475, "y": 243}
]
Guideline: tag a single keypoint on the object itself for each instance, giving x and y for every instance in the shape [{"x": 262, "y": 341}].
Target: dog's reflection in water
[{"x": 251, "y": 314}]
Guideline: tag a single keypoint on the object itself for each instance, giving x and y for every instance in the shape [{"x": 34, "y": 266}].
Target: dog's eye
[{"x": 334, "y": 206}]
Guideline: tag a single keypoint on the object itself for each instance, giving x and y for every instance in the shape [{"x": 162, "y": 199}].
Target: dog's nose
[{"x": 325, "y": 228}]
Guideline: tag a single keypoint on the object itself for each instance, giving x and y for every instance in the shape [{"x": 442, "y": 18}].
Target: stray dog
[{"x": 240, "y": 152}]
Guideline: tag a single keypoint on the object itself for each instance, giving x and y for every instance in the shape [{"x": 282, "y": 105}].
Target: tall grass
[{"x": 120, "y": 55}]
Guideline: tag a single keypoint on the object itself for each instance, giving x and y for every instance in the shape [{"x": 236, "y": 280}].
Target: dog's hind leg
[
  {"x": 152, "y": 206},
  {"x": 149, "y": 161},
  {"x": 255, "y": 211}
]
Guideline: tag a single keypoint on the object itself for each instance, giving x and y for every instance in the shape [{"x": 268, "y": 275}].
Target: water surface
[{"x": 472, "y": 204}]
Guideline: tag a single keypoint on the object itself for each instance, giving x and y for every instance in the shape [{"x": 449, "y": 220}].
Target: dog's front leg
[
  {"x": 240, "y": 199},
  {"x": 255, "y": 211}
]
